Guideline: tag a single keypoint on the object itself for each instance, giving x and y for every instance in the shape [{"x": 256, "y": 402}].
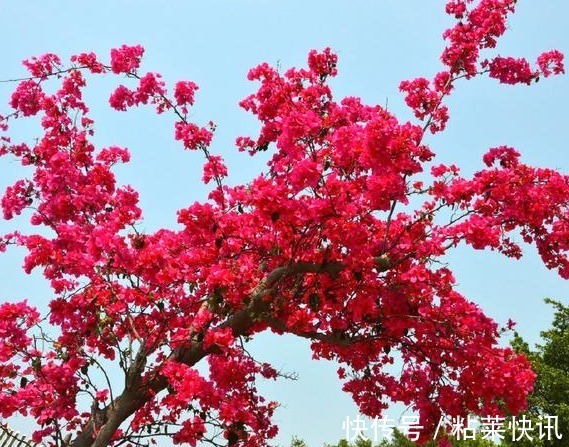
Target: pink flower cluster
[
  {"x": 318, "y": 246},
  {"x": 126, "y": 59}
]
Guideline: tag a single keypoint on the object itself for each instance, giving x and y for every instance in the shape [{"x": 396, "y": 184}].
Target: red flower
[{"x": 126, "y": 59}]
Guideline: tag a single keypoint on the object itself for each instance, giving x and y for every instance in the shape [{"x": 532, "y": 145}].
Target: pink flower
[
  {"x": 102, "y": 395},
  {"x": 126, "y": 59},
  {"x": 192, "y": 136},
  {"x": 220, "y": 337},
  {"x": 27, "y": 98},
  {"x": 507, "y": 156},
  {"x": 122, "y": 98},
  {"x": 150, "y": 87},
  {"x": 184, "y": 92},
  {"x": 323, "y": 63},
  {"x": 89, "y": 60},
  {"x": 214, "y": 168},
  {"x": 43, "y": 66},
  {"x": 551, "y": 62},
  {"x": 509, "y": 70}
]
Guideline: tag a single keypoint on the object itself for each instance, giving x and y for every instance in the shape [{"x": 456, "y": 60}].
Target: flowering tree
[{"x": 319, "y": 246}]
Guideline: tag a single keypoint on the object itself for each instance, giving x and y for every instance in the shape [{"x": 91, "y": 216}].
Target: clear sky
[{"x": 379, "y": 43}]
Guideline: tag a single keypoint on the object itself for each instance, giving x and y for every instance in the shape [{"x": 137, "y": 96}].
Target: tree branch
[{"x": 137, "y": 392}]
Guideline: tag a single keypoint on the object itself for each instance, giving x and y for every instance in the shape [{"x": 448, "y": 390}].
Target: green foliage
[
  {"x": 357, "y": 443},
  {"x": 400, "y": 440},
  {"x": 551, "y": 390},
  {"x": 478, "y": 442},
  {"x": 297, "y": 442}
]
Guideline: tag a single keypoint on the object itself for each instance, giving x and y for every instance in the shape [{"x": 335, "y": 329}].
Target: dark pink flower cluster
[
  {"x": 184, "y": 93},
  {"x": 122, "y": 98},
  {"x": 214, "y": 168},
  {"x": 479, "y": 25},
  {"x": 551, "y": 63},
  {"x": 426, "y": 102},
  {"x": 27, "y": 98},
  {"x": 43, "y": 66},
  {"x": 323, "y": 63},
  {"x": 126, "y": 59},
  {"x": 509, "y": 70},
  {"x": 90, "y": 61},
  {"x": 192, "y": 136},
  {"x": 339, "y": 241}
]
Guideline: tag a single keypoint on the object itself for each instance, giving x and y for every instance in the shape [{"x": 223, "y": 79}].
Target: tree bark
[{"x": 137, "y": 392}]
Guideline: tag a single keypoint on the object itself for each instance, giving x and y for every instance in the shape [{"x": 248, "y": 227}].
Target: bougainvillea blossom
[{"x": 314, "y": 246}]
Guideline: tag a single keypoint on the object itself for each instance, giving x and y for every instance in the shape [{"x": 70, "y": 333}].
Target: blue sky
[{"x": 379, "y": 43}]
